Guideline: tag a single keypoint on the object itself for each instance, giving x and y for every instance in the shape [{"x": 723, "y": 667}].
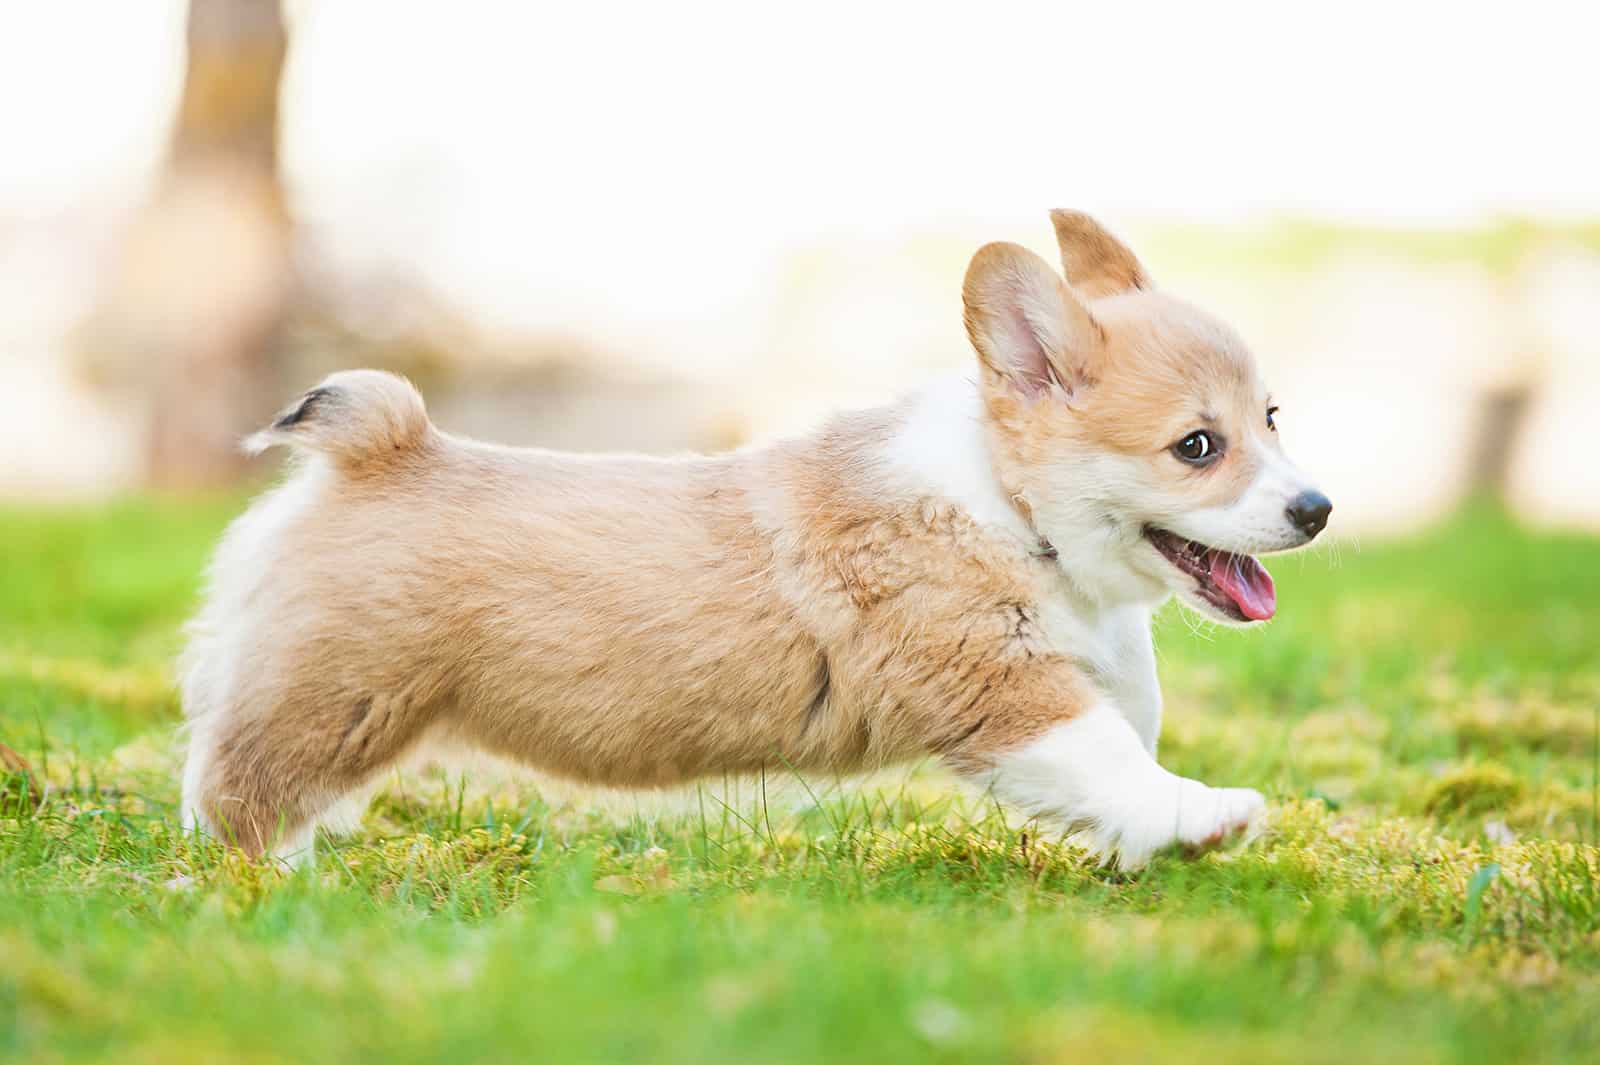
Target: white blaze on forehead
[{"x": 1277, "y": 480}]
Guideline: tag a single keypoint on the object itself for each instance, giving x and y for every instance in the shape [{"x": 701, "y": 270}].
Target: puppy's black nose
[{"x": 1309, "y": 511}]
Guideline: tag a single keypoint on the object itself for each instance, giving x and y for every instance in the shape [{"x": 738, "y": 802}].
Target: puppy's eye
[
  {"x": 1197, "y": 448},
  {"x": 1272, "y": 419}
]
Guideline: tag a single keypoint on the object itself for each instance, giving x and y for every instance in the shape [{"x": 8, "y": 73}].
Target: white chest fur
[{"x": 1114, "y": 646}]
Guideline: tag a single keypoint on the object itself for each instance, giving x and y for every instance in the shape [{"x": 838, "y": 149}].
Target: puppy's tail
[{"x": 356, "y": 417}]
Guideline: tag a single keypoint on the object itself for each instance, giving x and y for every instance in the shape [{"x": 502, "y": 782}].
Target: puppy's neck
[{"x": 942, "y": 448}]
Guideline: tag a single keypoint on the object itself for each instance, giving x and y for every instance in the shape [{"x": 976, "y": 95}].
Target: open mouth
[{"x": 1237, "y": 585}]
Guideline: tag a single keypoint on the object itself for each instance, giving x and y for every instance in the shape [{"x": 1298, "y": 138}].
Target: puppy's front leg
[{"x": 1093, "y": 774}]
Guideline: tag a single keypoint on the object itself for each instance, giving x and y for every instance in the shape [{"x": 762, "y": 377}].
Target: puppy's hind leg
[
  {"x": 263, "y": 780},
  {"x": 219, "y": 802}
]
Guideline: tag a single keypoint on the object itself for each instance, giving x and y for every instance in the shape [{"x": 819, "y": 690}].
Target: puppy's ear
[
  {"x": 1096, "y": 263},
  {"x": 1028, "y": 328}
]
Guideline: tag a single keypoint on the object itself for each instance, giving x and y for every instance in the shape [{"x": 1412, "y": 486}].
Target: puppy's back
[{"x": 567, "y": 610}]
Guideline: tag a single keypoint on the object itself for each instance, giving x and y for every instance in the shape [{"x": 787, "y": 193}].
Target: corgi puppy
[{"x": 969, "y": 573}]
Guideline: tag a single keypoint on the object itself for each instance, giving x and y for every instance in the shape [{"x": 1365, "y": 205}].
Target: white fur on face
[
  {"x": 1093, "y": 777},
  {"x": 1101, "y": 503},
  {"x": 1088, "y": 507},
  {"x": 1258, "y": 520}
]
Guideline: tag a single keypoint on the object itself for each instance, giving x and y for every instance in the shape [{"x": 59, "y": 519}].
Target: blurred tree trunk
[
  {"x": 1502, "y": 421},
  {"x": 191, "y": 319}
]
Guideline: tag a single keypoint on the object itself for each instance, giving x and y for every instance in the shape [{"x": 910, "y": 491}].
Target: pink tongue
[{"x": 1246, "y": 582}]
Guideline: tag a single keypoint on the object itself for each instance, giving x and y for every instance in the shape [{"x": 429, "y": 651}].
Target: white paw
[
  {"x": 1173, "y": 812},
  {"x": 1094, "y": 777},
  {"x": 1209, "y": 816}
]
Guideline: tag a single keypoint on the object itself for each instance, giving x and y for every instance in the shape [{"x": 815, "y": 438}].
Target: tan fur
[
  {"x": 624, "y": 621},
  {"x": 641, "y": 622}
]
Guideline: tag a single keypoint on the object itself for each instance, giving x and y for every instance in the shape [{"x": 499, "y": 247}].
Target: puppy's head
[{"x": 1133, "y": 428}]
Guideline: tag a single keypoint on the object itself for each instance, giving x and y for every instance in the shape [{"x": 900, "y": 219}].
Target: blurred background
[{"x": 676, "y": 227}]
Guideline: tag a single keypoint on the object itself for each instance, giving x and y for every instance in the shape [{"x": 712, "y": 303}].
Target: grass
[
  {"x": 1499, "y": 248},
  {"x": 1424, "y": 717}
]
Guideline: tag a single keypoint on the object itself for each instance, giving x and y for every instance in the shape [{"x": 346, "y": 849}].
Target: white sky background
[
  {"x": 646, "y": 158},
  {"x": 649, "y": 162},
  {"x": 638, "y": 174}
]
